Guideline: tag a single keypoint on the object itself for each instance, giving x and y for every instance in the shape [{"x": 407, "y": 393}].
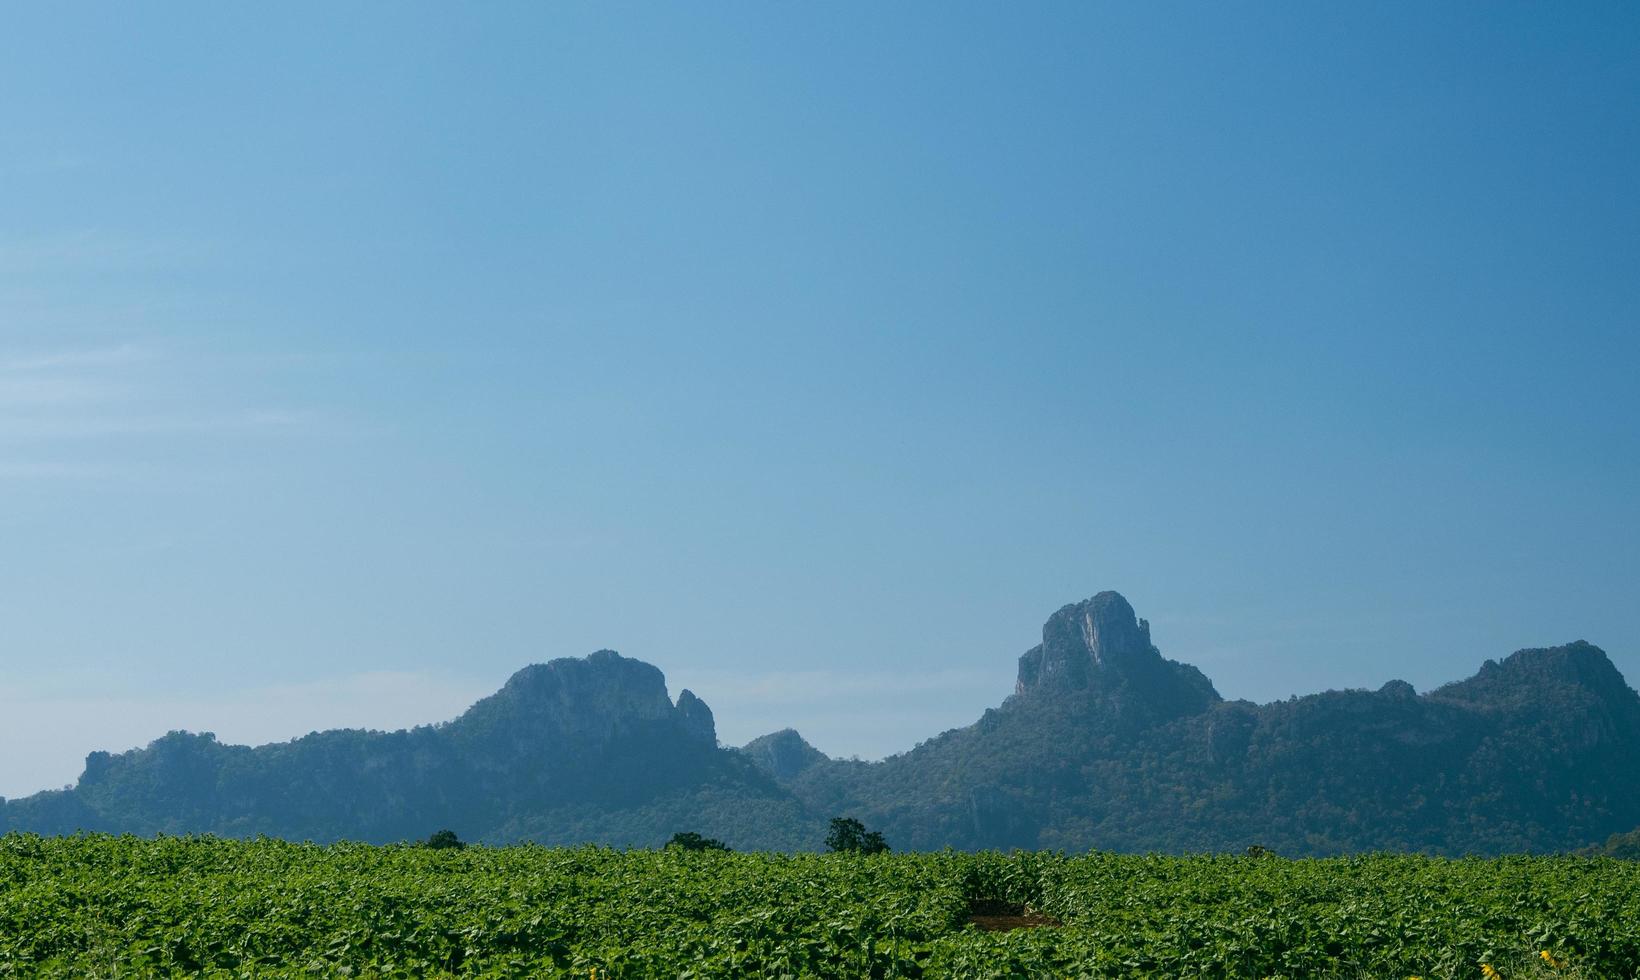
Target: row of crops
[{"x": 119, "y": 906}]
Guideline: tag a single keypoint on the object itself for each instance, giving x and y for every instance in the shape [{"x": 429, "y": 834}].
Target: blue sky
[{"x": 353, "y": 357}]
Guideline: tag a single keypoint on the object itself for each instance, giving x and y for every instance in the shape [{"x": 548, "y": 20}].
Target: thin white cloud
[
  {"x": 57, "y": 380},
  {"x": 92, "y": 249},
  {"x": 85, "y": 413},
  {"x": 27, "y": 157},
  {"x": 46, "y": 393},
  {"x": 102, "y": 426},
  {"x": 18, "y": 470},
  {"x": 59, "y": 360}
]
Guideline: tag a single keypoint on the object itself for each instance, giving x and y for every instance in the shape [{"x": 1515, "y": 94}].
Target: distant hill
[
  {"x": 565, "y": 752},
  {"x": 1106, "y": 744},
  {"x": 1103, "y": 744}
]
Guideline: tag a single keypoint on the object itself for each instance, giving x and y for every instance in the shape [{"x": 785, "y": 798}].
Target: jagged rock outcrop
[
  {"x": 696, "y": 718},
  {"x": 1101, "y": 646},
  {"x": 592, "y": 697}
]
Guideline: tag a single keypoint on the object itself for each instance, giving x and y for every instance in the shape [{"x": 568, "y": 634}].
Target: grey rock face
[
  {"x": 1082, "y": 638},
  {"x": 593, "y": 698},
  {"x": 696, "y": 717},
  {"x": 1100, "y": 646}
]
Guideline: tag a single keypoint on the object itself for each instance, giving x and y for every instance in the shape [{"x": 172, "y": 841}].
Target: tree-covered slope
[
  {"x": 567, "y": 751},
  {"x": 1103, "y": 744},
  {"x": 1107, "y": 744}
]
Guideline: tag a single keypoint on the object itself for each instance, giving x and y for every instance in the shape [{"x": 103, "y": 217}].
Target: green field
[{"x": 106, "y": 906}]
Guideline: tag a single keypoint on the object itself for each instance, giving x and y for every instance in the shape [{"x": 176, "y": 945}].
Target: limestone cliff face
[
  {"x": 590, "y": 699},
  {"x": 696, "y": 718},
  {"x": 1100, "y": 646}
]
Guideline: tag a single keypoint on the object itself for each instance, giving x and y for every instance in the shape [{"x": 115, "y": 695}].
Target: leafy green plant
[{"x": 101, "y": 906}]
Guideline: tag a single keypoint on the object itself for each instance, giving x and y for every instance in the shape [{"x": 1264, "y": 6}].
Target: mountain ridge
[{"x": 1103, "y": 743}]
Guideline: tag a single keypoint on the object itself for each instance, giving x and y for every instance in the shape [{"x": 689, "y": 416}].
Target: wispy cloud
[
  {"x": 94, "y": 427},
  {"x": 61, "y": 360},
  {"x": 18, "y": 470},
  {"x": 28, "y": 392},
  {"x": 34, "y": 156},
  {"x": 93, "y": 249},
  {"x": 70, "y": 413}
]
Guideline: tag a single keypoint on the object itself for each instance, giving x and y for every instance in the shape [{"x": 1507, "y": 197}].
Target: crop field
[{"x": 107, "y": 906}]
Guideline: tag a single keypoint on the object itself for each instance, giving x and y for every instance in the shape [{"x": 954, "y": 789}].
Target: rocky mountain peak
[
  {"x": 1102, "y": 631},
  {"x": 696, "y": 717},
  {"x": 1101, "y": 645},
  {"x": 591, "y": 697}
]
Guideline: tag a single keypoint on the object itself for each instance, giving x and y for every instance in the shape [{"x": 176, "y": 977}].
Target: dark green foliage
[
  {"x": 783, "y": 754},
  {"x": 849, "y": 835},
  {"x": 96, "y": 906},
  {"x": 688, "y": 840},
  {"x": 1623, "y": 846},
  {"x": 444, "y": 840}
]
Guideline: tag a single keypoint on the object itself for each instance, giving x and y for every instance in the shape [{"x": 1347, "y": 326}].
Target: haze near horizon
[{"x": 352, "y": 359}]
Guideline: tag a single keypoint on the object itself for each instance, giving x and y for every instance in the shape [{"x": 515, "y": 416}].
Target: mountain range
[{"x": 1104, "y": 743}]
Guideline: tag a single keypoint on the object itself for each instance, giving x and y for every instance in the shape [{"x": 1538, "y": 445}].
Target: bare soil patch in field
[{"x": 993, "y": 916}]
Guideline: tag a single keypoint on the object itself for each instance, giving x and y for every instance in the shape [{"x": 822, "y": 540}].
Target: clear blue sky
[{"x": 354, "y": 356}]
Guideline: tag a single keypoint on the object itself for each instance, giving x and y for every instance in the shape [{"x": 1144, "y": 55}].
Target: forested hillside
[{"x": 1104, "y": 744}]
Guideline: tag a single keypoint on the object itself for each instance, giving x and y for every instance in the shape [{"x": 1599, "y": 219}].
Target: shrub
[
  {"x": 850, "y": 835},
  {"x": 688, "y": 840},
  {"x": 444, "y": 840}
]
